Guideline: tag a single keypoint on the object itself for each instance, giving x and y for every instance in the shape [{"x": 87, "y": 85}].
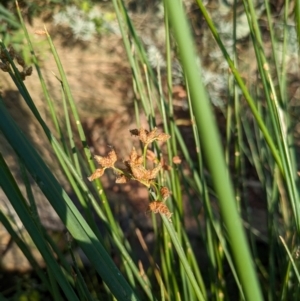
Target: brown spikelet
[
  {"x": 23, "y": 75},
  {"x": 28, "y": 70},
  {"x": 134, "y": 132},
  {"x": 12, "y": 52},
  {"x": 151, "y": 136},
  {"x": 152, "y": 174},
  {"x": 164, "y": 165},
  {"x": 162, "y": 137},
  {"x": 121, "y": 179},
  {"x": 107, "y": 161},
  {"x": 96, "y": 174},
  {"x": 20, "y": 61},
  {"x": 176, "y": 160},
  {"x": 112, "y": 156},
  {"x": 148, "y": 137},
  {"x": 164, "y": 192},
  {"x": 143, "y": 135},
  {"x": 40, "y": 32},
  {"x": 138, "y": 172},
  {"x": 5, "y": 67},
  {"x": 134, "y": 158},
  {"x": 160, "y": 207}
]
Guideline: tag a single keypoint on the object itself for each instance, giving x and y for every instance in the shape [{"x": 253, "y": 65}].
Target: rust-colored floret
[
  {"x": 164, "y": 165},
  {"x": 136, "y": 168},
  {"x": 160, "y": 207},
  {"x": 134, "y": 158},
  {"x": 162, "y": 137},
  {"x": 143, "y": 135},
  {"x": 107, "y": 161},
  {"x": 104, "y": 162},
  {"x": 164, "y": 192},
  {"x": 153, "y": 173},
  {"x": 121, "y": 179},
  {"x": 96, "y": 174},
  {"x": 176, "y": 160},
  {"x": 148, "y": 137}
]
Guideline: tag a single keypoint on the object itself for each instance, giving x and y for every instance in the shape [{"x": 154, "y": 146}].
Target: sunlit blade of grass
[
  {"x": 74, "y": 151},
  {"x": 130, "y": 50},
  {"x": 8, "y": 17},
  {"x": 280, "y": 68},
  {"x": 183, "y": 259},
  {"x": 82, "y": 137},
  {"x": 120, "y": 242},
  {"x": 116, "y": 231},
  {"x": 69, "y": 96},
  {"x": 291, "y": 259},
  {"x": 278, "y": 117},
  {"x": 31, "y": 105},
  {"x": 212, "y": 150},
  {"x": 65, "y": 208},
  {"x": 242, "y": 86},
  {"x": 175, "y": 183},
  {"x": 297, "y": 20},
  {"x": 68, "y": 167},
  {"x": 194, "y": 265}
]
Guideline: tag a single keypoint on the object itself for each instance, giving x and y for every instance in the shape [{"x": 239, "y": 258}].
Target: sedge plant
[{"x": 226, "y": 263}]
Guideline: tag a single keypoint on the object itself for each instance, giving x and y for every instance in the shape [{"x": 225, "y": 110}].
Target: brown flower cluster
[
  {"x": 104, "y": 163},
  {"x": 160, "y": 207},
  {"x": 5, "y": 64},
  {"x": 148, "y": 137},
  {"x": 136, "y": 168}
]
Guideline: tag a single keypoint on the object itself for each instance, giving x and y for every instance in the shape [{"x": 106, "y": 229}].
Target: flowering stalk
[{"x": 135, "y": 168}]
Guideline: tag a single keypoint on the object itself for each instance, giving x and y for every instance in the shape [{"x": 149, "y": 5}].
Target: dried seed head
[
  {"x": 20, "y": 61},
  {"x": 28, "y": 70},
  {"x": 40, "y": 32},
  {"x": 134, "y": 158},
  {"x": 107, "y": 161},
  {"x": 176, "y": 160},
  {"x": 134, "y": 132},
  {"x": 152, "y": 174},
  {"x": 112, "y": 156},
  {"x": 164, "y": 165},
  {"x": 5, "y": 67},
  {"x": 151, "y": 136},
  {"x": 148, "y": 137},
  {"x": 96, "y": 174},
  {"x": 121, "y": 179},
  {"x": 104, "y": 162},
  {"x": 12, "y": 52},
  {"x": 159, "y": 207},
  {"x": 162, "y": 137},
  {"x": 143, "y": 135},
  {"x": 23, "y": 75},
  {"x": 139, "y": 172},
  {"x": 164, "y": 192}
]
